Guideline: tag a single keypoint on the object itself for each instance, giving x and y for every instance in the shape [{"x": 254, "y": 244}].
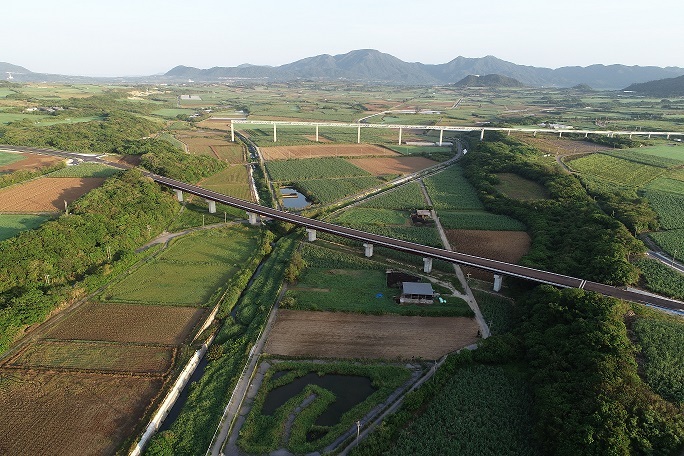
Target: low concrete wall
[{"x": 170, "y": 398}]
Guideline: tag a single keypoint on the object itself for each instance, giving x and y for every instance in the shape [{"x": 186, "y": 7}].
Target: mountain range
[
  {"x": 371, "y": 66},
  {"x": 670, "y": 87}
]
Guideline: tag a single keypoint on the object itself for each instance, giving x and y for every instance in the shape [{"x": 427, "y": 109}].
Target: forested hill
[
  {"x": 488, "y": 80},
  {"x": 670, "y": 87}
]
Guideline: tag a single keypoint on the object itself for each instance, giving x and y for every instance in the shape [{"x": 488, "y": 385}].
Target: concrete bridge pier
[
  {"x": 481, "y": 134},
  {"x": 649, "y": 136},
  {"x": 400, "y": 136},
  {"x": 179, "y": 195},
  {"x": 368, "y": 249},
  {"x": 586, "y": 135},
  {"x": 508, "y": 132},
  {"x": 498, "y": 279},
  {"x": 212, "y": 206},
  {"x": 232, "y": 131},
  {"x": 358, "y": 135},
  {"x": 441, "y": 137},
  {"x": 310, "y": 234},
  {"x": 427, "y": 265},
  {"x": 668, "y": 137},
  {"x": 252, "y": 218},
  {"x": 316, "y": 133},
  {"x": 275, "y": 133},
  {"x": 535, "y": 133}
]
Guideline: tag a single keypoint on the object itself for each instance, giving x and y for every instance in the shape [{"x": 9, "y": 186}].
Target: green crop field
[
  {"x": 411, "y": 150},
  {"x": 86, "y": 170},
  {"x": 13, "y": 224},
  {"x": 663, "y": 184},
  {"x": 405, "y": 198},
  {"x": 326, "y": 191},
  {"x": 677, "y": 174},
  {"x": 516, "y": 187},
  {"x": 357, "y": 290},
  {"x": 478, "y": 220},
  {"x": 497, "y": 311},
  {"x": 7, "y": 117},
  {"x": 314, "y": 168},
  {"x": 372, "y": 216},
  {"x": 190, "y": 271},
  {"x": 482, "y": 410},
  {"x": 7, "y": 158},
  {"x": 232, "y": 181},
  {"x": 661, "y": 278},
  {"x": 669, "y": 206},
  {"x": 661, "y": 339},
  {"x": 231, "y": 153},
  {"x": 616, "y": 170},
  {"x": 671, "y": 241},
  {"x": 171, "y": 113},
  {"x": 639, "y": 156},
  {"x": 666, "y": 151},
  {"x": 449, "y": 190}
]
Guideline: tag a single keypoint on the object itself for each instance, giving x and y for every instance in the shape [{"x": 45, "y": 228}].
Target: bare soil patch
[
  {"x": 559, "y": 146},
  {"x": 145, "y": 324},
  {"x": 349, "y": 335},
  {"x": 325, "y": 150},
  {"x": 95, "y": 356},
  {"x": 31, "y": 162},
  {"x": 46, "y": 194},
  {"x": 508, "y": 246},
  {"x": 62, "y": 413},
  {"x": 393, "y": 165}
]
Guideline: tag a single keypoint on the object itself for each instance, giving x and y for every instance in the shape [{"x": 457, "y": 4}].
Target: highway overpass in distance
[{"x": 427, "y": 252}]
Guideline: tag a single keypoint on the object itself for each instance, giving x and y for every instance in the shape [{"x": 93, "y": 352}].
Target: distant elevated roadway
[{"x": 369, "y": 239}]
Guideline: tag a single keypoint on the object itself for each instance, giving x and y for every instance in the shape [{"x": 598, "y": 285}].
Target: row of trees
[{"x": 40, "y": 268}]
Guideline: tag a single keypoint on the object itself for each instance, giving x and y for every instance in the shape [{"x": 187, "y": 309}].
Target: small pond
[
  {"x": 349, "y": 391},
  {"x": 292, "y": 199}
]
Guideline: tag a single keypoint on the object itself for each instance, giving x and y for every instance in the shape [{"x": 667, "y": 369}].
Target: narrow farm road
[{"x": 469, "y": 297}]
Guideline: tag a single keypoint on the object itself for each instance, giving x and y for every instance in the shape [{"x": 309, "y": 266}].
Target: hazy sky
[{"x": 143, "y": 37}]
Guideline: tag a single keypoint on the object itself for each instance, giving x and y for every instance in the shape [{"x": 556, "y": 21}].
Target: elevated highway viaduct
[{"x": 499, "y": 268}]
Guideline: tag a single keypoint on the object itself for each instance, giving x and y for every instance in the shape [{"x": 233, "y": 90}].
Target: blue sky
[{"x": 142, "y": 37}]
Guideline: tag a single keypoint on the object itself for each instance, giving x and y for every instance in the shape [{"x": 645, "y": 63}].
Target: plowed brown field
[
  {"x": 325, "y": 150},
  {"x": 392, "y": 165},
  {"x": 46, "y": 194},
  {"x": 507, "y": 246},
  {"x": 348, "y": 335},
  {"x": 62, "y": 413},
  {"x": 128, "y": 323},
  {"x": 30, "y": 162}
]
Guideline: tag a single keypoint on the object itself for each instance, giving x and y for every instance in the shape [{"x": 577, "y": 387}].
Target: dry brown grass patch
[
  {"x": 392, "y": 165},
  {"x": 46, "y": 194},
  {"x": 508, "y": 246}
]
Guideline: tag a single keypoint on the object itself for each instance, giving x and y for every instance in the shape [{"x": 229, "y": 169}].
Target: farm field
[
  {"x": 664, "y": 184},
  {"x": 616, "y": 170},
  {"x": 372, "y": 216},
  {"x": 669, "y": 206},
  {"x": 661, "y": 337},
  {"x": 393, "y": 165},
  {"x": 449, "y": 190},
  {"x": 482, "y": 410},
  {"x": 345, "y": 335},
  {"x": 317, "y": 168},
  {"x": 324, "y": 150},
  {"x": 86, "y": 170},
  {"x": 361, "y": 291},
  {"x": 516, "y": 187},
  {"x": 27, "y": 162},
  {"x": 188, "y": 272},
  {"x": 128, "y": 323},
  {"x": 70, "y": 413},
  {"x": 46, "y": 194},
  {"x": 7, "y": 158},
  {"x": 561, "y": 146},
  {"x": 478, "y": 220},
  {"x": 406, "y": 198},
  {"x": 326, "y": 191},
  {"x": 670, "y": 151},
  {"x": 660, "y": 278},
  {"x": 213, "y": 144},
  {"x": 95, "y": 356},
  {"x": 509, "y": 246},
  {"x": 232, "y": 181},
  {"x": 13, "y": 224},
  {"x": 671, "y": 241}
]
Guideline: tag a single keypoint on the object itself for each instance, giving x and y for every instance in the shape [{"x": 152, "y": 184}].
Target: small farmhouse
[{"x": 416, "y": 293}]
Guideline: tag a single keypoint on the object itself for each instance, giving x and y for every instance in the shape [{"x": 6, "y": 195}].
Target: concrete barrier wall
[{"x": 170, "y": 398}]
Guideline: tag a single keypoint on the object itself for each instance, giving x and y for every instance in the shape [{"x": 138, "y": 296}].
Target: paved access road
[{"x": 497, "y": 267}]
